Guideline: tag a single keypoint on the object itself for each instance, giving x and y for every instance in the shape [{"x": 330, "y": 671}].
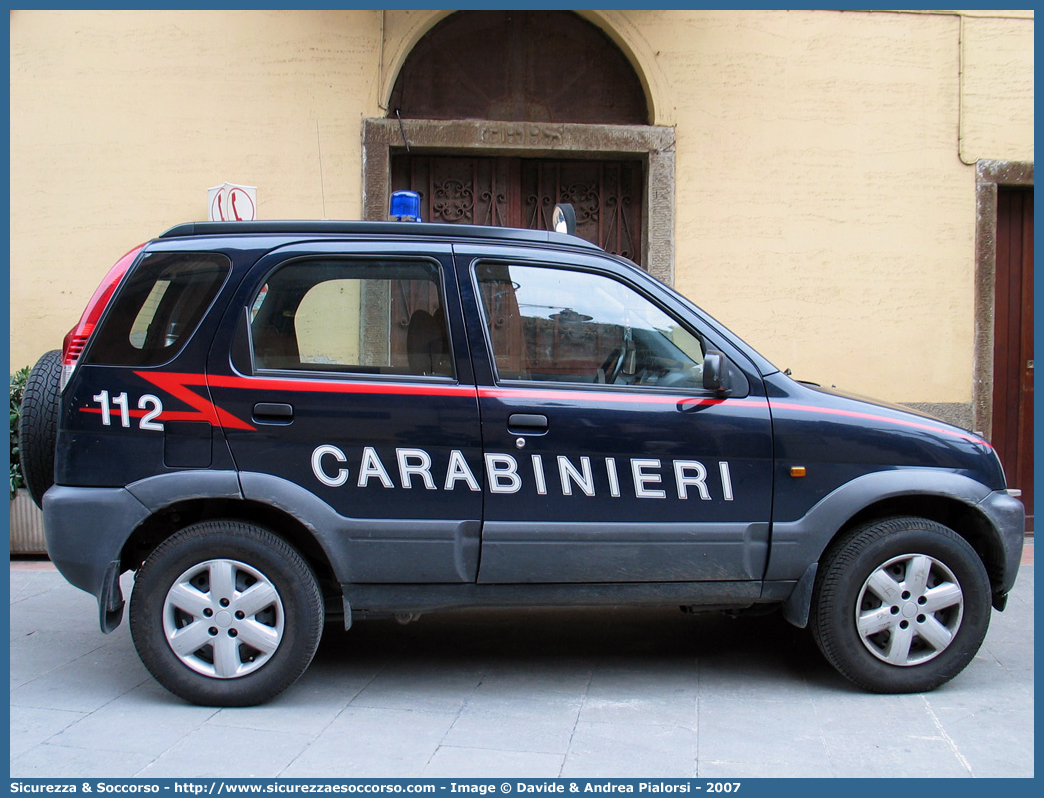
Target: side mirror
[{"x": 716, "y": 373}]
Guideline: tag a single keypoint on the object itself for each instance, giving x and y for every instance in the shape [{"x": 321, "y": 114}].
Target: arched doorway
[
  {"x": 496, "y": 116},
  {"x": 518, "y": 66}
]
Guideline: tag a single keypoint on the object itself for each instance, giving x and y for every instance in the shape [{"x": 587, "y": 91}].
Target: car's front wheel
[
  {"x": 901, "y": 605},
  {"x": 224, "y": 613}
]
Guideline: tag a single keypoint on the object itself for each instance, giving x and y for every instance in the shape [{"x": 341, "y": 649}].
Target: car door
[
  {"x": 345, "y": 384},
  {"x": 606, "y": 460}
]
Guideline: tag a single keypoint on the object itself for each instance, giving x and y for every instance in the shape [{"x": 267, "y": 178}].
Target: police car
[{"x": 277, "y": 424}]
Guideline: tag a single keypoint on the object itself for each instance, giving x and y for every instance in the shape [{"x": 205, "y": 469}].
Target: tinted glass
[
  {"x": 560, "y": 325},
  {"x": 369, "y": 317},
  {"x": 158, "y": 308}
]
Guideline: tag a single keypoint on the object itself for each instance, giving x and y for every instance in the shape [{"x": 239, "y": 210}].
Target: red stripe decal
[
  {"x": 178, "y": 386},
  {"x": 607, "y": 396},
  {"x": 612, "y": 397},
  {"x": 181, "y": 386},
  {"x": 830, "y": 411},
  {"x": 338, "y": 386},
  {"x": 130, "y": 413}
]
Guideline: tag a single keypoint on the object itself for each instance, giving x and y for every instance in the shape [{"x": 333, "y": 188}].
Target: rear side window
[
  {"x": 157, "y": 311},
  {"x": 355, "y": 316}
]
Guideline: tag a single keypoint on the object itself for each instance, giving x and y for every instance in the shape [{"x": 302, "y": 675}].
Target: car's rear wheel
[
  {"x": 901, "y": 605},
  {"x": 224, "y": 613},
  {"x": 38, "y": 424}
]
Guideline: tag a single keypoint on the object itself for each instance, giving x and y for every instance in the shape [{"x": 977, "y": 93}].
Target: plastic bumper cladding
[
  {"x": 1008, "y": 517},
  {"x": 86, "y": 529}
]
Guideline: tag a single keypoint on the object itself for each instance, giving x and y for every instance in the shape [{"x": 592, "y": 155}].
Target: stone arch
[
  {"x": 404, "y": 30},
  {"x": 536, "y": 137},
  {"x": 519, "y": 66},
  {"x": 620, "y": 28}
]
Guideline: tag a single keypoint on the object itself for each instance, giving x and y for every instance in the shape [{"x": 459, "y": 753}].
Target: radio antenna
[
  {"x": 319, "y": 147},
  {"x": 402, "y": 129}
]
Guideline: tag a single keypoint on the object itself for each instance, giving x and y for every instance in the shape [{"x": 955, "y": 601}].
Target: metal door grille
[{"x": 520, "y": 192}]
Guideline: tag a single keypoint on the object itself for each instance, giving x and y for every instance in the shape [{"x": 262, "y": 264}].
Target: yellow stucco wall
[
  {"x": 997, "y": 94},
  {"x": 120, "y": 121},
  {"x": 824, "y": 211}
]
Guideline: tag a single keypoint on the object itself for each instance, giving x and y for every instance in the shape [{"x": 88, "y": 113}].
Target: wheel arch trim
[
  {"x": 798, "y": 543},
  {"x": 85, "y": 530},
  {"x": 314, "y": 516},
  {"x": 161, "y": 491}
]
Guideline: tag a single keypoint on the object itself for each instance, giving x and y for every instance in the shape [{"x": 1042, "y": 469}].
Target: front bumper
[{"x": 1008, "y": 517}]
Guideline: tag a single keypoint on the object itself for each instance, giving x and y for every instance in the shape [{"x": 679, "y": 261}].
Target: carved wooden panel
[
  {"x": 460, "y": 190},
  {"x": 606, "y": 196},
  {"x": 522, "y": 192}
]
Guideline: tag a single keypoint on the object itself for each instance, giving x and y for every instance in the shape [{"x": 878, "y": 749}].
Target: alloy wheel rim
[
  {"x": 909, "y": 610},
  {"x": 223, "y": 618}
]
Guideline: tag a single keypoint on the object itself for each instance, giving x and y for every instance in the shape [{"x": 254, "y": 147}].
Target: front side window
[
  {"x": 559, "y": 325},
  {"x": 365, "y": 317}
]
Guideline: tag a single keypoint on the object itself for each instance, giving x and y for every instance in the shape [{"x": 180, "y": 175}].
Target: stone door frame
[
  {"x": 652, "y": 144},
  {"x": 989, "y": 177}
]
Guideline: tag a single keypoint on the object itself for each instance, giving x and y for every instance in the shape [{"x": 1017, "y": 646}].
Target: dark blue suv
[{"x": 278, "y": 424}]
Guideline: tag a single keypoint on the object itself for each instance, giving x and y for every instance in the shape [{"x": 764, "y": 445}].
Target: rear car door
[
  {"x": 606, "y": 460},
  {"x": 344, "y": 377}
]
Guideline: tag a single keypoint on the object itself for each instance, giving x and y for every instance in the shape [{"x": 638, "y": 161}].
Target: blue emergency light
[{"x": 405, "y": 206}]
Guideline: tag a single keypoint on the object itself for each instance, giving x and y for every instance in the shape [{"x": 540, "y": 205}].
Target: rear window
[{"x": 159, "y": 308}]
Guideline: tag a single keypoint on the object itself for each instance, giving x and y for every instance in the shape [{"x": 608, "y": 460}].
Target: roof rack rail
[{"x": 411, "y": 229}]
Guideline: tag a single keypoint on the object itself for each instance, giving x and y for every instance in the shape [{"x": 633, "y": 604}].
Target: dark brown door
[
  {"x": 522, "y": 192},
  {"x": 519, "y": 66},
  {"x": 1013, "y": 343}
]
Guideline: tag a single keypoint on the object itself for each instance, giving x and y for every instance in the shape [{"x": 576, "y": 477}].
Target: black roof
[{"x": 417, "y": 229}]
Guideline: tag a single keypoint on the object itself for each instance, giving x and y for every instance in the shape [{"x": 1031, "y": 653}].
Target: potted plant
[{"x": 26, "y": 519}]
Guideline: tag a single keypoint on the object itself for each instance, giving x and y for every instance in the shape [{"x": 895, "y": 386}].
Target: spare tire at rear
[{"x": 38, "y": 426}]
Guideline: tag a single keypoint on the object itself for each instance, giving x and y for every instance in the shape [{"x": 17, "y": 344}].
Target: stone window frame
[
  {"x": 654, "y": 145},
  {"x": 990, "y": 177}
]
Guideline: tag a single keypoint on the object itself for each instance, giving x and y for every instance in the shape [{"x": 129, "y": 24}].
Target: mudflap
[{"x": 110, "y": 601}]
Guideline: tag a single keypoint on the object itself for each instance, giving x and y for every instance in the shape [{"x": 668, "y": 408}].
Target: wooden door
[
  {"x": 1013, "y": 343},
  {"x": 522, "y": 192}
]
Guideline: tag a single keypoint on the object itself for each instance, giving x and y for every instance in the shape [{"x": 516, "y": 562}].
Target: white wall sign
[{"x": 232, "y": 203}]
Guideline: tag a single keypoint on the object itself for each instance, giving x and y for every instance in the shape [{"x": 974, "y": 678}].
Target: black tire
[
  {"x": 38, "y": 425},
  {"x": 246, "y": 596},
  {"x": 915, "y": 636}
]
